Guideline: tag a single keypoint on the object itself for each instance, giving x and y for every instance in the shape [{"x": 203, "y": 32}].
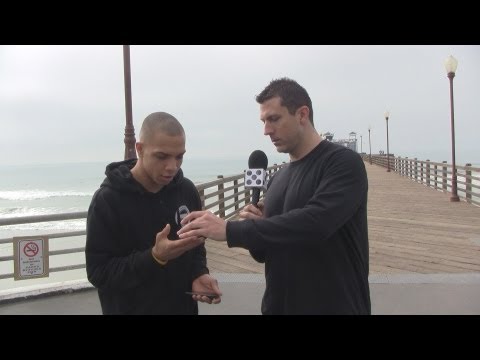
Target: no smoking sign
[{"x": 30, "y": 257}]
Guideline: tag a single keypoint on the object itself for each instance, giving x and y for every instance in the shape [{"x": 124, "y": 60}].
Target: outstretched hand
[
  {"x": 203, "y": 223},
  {"x": 166, "y": 249}
]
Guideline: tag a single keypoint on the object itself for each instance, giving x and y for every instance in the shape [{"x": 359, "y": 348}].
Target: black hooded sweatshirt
[{"x": 122, "y": 223}]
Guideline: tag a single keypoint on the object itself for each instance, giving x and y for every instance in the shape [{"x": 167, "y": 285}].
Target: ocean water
[
  {"x": 47, "y": 189},
  {"x": 27, "y": 190}
]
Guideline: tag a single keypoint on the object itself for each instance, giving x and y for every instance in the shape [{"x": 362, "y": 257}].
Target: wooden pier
[{"x": 412, "y": 229}]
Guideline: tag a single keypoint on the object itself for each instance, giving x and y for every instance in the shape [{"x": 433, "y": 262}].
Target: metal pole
[
  {"x": 454, "y": 196},
  {"x": 129, "y": 140},
  {"x": 370, "y": 146},
  {"x": 388, "y": 153},
  {"x": 361, "y": 144}
]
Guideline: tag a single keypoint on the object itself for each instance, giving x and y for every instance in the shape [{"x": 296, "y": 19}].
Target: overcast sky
[{"x": 67, "y": 103}]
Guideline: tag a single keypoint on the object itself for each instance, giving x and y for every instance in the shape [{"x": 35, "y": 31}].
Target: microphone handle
[{"x": 255, "y": 196}]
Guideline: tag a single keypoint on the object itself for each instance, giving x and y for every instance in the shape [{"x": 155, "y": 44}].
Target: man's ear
[
  {"x": 139, "y": 148},
  {"x": 304, "y": 113}
]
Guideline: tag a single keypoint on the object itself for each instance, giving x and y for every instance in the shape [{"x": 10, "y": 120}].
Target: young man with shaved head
[{"x": 133, "y": 254}]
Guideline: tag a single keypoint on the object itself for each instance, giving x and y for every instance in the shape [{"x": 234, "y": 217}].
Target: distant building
[
  {"x": 351, "y": 142},
  {"x": 328, "y": 136}
]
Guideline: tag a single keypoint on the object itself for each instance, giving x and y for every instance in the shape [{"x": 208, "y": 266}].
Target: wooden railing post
[
  {"x": 247, "y": 193},
  {"x": 428, "y": 172},
  {"x": 435, "y": 169},
  {"x": 235, "y": 191},
  {"x": 221, "y": 196},
  {"x": 421, "y": 172},
  {"x": 415, "y": 164},
  {"x": 468, "y": 182},
  {"x": 202, "y": 198},
  {"x": 444, "y": 176}
]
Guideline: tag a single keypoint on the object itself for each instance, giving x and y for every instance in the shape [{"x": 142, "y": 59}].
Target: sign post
[{"x": 30, "y": 256}]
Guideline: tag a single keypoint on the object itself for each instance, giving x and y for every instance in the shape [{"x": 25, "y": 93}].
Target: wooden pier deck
[{"x": 412, "y": 229}]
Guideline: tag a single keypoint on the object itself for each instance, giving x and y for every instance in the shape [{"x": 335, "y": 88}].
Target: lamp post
[
  {"x": 451, "y": 66},
  {"x": 387, "y": 115},
  {"x": 370, "y": 144},
  {"x": 129, "y": 139},
  {"x": 361, "y": 144}
]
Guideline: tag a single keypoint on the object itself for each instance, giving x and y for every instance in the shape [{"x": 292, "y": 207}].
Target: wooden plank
[{"x": 414, "y": 228}]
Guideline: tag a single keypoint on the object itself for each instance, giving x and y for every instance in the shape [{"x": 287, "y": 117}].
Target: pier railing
[
  {"x": 225, "y": 197},
  {"x": 435, "y": 175}
]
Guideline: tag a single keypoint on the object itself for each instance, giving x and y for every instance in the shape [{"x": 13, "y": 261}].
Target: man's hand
[
  {"x": 165, "y": 249},
  {"x": 252, "y": 212},
  {"x": 203, "y": 223},
  {"x": 206, "y": 284}
]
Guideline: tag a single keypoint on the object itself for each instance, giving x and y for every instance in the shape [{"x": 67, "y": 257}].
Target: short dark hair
[
  {"x": 160, "y": 121},
  {"x": 291, "y": 94}
]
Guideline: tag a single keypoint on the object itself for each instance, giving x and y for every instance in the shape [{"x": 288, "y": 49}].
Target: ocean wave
[
  {"x": 7, "y": 231},
  {"x": 66, "y": 225},
  {"x": 40, "y": 194},
  {"x": 33, "y": 211}
]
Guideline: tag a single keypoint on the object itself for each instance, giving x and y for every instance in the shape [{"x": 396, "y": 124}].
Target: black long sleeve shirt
[{"x": 314, "y": 235}]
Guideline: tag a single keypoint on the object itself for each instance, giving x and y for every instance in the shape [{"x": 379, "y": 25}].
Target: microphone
[{"x": 255, "y": 176}]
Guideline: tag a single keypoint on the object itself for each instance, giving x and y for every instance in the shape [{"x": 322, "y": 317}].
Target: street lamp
[
  {"x": 387, "y": 115},
  {"x": 370, "y": 144},
  {"x": 451, "y": 66},
  {"x": 361, "y": 144},
  {"x": 129, "y": 139}
]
